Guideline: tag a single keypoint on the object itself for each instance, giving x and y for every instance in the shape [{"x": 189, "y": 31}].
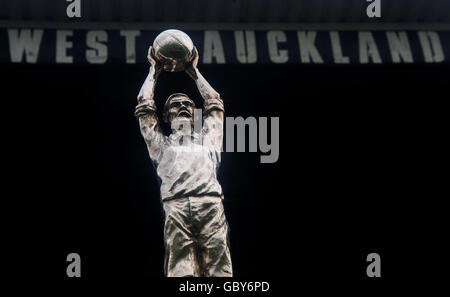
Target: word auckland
[{"x": 228, "y": 46}]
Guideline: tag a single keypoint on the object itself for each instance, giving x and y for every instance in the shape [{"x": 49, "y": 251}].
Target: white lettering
[
  {"x": 213, "y": 48},
  {"x": 130, "y": 44},
  {"x": 399, "y": 47},
  {"x": 308, "y": 50},
  {"x": 62, "y": 45},
  {"x": 98, "y": 54},
  {"x": 337, "y": 49},
  {"x": 368, "y": 48},
  {"x": 245, "y": 49},
  {"x": 276, "y": 55},
  {"x": 431, "y": 47},
  {"x": 24, "y": 41}
]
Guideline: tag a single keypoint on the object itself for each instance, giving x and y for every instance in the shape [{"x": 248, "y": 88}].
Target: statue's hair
[{"x": 167, "y": 104}]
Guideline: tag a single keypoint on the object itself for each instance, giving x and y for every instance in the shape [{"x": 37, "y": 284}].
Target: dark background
[
  {"x": 358, "y": 172},
  {"x": 362, "y": 167}
]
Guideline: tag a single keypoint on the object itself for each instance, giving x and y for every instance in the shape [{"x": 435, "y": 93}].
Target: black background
[{"x": 358, "y": 172}]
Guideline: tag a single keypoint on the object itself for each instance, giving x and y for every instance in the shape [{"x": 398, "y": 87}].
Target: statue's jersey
[{"x": 188, "y": 167}]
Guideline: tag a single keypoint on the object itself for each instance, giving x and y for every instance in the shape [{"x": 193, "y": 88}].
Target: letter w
[{"x": 24, "y": 41}]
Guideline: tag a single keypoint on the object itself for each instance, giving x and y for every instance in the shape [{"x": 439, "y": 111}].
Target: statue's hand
[
  {"x": 153, "y": 61},
  {"x": 191, "y": 67}
]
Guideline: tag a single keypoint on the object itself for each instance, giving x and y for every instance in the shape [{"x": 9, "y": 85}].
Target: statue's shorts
[{"x": 196, "y": 238}]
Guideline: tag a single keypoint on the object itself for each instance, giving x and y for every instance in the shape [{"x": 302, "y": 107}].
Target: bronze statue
[{"x": 196, "y": 230}]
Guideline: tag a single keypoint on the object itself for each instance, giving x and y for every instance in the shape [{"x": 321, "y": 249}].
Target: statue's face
[{"x": 181, "y": 107}]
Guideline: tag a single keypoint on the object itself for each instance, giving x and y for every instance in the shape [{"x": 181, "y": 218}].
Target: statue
[{"x": 196, "y": 230}]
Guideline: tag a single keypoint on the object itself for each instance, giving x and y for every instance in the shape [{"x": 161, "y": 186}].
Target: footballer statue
[{"x": 196, "y": 230}]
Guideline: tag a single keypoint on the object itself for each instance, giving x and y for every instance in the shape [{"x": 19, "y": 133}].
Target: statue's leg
[
  {"x": 180, "y": 258},
  {"x": 215, "y": 256}
]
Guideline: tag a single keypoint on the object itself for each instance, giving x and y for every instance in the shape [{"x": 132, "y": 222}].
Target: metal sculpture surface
[{"x": 196, "y": 230}]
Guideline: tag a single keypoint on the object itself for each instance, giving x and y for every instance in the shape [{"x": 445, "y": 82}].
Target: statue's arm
[
  {"x": 213, "y": 105},
  {"x": 146, "y": 111},
  {"x": 212, "y": 101}
]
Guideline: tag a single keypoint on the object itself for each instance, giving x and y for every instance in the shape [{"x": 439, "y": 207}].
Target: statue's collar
[{"x": 180, "y": 133}]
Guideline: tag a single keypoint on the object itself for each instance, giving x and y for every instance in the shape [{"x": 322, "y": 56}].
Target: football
[{"x": 174, "y": 49}]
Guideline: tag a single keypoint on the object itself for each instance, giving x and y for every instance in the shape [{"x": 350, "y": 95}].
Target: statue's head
[{"x": 180, "y": 107}]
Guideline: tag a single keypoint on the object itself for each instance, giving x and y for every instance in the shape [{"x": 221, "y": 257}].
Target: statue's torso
[{"x": 189, "y": 168}]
